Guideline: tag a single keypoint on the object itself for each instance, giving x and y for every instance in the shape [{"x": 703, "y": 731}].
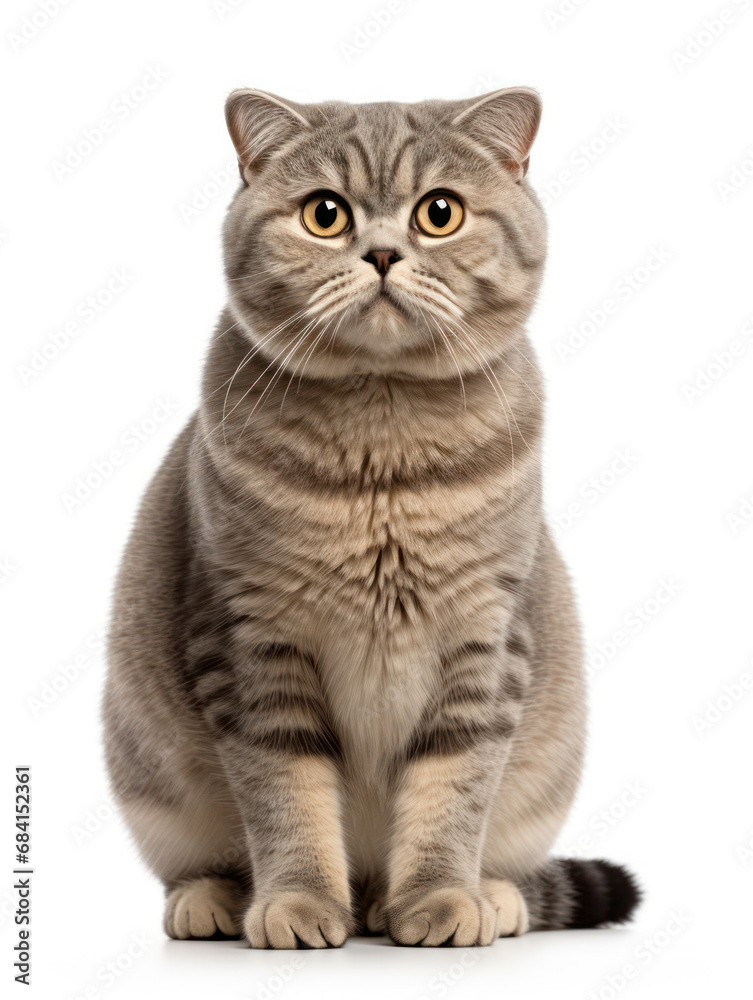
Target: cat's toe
[
  {"x": 446, "y": 916},
  {"x": 297, "y": 918},
  {"x": 200, "y": 908},
  {"x": 509, "y": 906}
]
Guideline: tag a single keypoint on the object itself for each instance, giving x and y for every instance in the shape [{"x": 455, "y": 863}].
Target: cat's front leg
[
  {"x": 267, "y": 712},
  {"x": 443, "y": 796}
]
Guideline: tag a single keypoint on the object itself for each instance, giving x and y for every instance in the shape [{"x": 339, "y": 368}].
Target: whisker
[
  {"x": 455, "y": 361},
  {"x": 279, "y": 267},
  {"x": 274, "y": 379},
  {"x": 332, "y": 337},
  {"x": 505, "y": 408},
  {"x": 330, "y": 286},
  {"x": 498, "y": 357},
  {"x": 249, "y": 354},
  {"x": 431, "y": 334},
  {"x": 244, "y": 361},
  {"x": 305, "y": 359},
  {"x": 528, "y": 360},
  {"x": 270, "y": 365},
  {"x": 510, "y": 407}
]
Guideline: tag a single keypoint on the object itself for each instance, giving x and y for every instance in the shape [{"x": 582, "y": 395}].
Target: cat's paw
[
  {"x": 376, "y": 922},
  {"x": 283, "y": 919},
  {"x": 446, "y": 916},
  {"x": 509, "y": 905},
  {"x": 200, "y": 908}
]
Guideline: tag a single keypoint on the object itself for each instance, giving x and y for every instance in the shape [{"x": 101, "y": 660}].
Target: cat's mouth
[{"x": 385, "y": 294}]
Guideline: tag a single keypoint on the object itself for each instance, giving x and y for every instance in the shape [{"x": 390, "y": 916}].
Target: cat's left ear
[
  {"x": 258, "y": 124},
  {"x": 505, "y": 121}
]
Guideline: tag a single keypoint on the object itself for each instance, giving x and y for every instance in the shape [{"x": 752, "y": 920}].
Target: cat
[{"x": 345, "y": 691}]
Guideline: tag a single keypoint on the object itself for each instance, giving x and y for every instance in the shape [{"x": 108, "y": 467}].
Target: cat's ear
[
  {"x": 258, "y": 123},
  {"x": 505, "y": 121}
]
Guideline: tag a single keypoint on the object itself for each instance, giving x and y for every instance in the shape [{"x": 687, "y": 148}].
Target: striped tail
[{"x": 571, "y": 893}]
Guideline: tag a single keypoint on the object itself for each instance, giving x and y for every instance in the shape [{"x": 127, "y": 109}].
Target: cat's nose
[{"x": 382, "y": 259}]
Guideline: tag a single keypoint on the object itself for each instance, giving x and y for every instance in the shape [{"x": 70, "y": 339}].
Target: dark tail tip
[{"x": 603, "y": 893}]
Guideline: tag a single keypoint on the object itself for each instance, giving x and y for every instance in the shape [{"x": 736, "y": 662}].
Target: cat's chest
[
  {"x": 391, "y": 557},
  {"x": 388, "y": 553},
  {"x": 376, "y": 580}
]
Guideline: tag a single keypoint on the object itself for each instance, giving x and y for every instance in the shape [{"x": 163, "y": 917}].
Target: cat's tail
[{"x": 572, "y": 893}]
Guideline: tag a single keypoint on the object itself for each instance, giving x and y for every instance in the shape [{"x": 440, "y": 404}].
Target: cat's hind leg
[
  {"x": 199, "y": 908},
  {"x": 509, "y": 906},
  {"x": 183, "y": 820},
  {"x": 199, "y": 853}
]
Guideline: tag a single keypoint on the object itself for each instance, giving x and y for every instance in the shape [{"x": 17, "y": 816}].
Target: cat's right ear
[
  {"x": 506, "y": 122},
  {"x": 258, "y": 123}
]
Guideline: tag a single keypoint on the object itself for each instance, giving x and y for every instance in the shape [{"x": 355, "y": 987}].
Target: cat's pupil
[
  {"x": 439, "y": 213},
  {"x": 325, "y": 214}
]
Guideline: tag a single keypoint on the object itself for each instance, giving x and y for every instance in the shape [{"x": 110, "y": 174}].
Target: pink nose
[{"x": 382, "y": 259}]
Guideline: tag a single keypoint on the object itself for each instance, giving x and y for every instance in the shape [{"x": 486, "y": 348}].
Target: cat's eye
[
  {"x": 324, "y": 214},
  {"x": 439, "y": 214}
]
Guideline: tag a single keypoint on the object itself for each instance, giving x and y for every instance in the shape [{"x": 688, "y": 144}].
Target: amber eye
[
  {"x": 439, "y": 214},
  {"x": 324, "y": 214}
]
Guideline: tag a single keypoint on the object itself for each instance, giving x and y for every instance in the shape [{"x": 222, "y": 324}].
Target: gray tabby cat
[{"x": 345, "y": 685}]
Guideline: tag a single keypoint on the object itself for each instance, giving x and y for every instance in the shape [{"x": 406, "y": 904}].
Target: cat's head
[{"x": 383, "y": 237}]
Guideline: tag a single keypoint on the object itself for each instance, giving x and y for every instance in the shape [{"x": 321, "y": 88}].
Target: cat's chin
[{"x": 382, "y": 329}]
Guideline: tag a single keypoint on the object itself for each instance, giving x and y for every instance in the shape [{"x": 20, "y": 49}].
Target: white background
[{"x": 681, "y": 129}]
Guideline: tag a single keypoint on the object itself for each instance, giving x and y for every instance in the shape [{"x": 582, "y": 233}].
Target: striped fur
[{"x": 345, "y": 683}]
